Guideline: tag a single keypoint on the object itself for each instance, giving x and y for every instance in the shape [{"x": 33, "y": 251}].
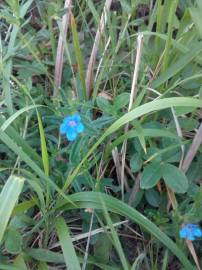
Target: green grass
[{"x": 54, "y": 192}]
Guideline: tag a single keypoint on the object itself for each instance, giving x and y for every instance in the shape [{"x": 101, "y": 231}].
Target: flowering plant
[{"x": 72, "y": 126}]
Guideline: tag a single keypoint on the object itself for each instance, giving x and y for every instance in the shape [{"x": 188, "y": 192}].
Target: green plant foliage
[
  {"x": 8, "y": 198},
  {"x": 13, "y": 241},
  {"x": 151, "y": 175},
  {"x": 174, "y": 178},
  {"x": 117, "y": 195}
]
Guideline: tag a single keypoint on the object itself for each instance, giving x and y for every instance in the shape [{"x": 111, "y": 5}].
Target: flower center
[{"x": 72, "y": 123}]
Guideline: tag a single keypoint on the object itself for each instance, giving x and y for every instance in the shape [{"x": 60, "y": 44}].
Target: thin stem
[{"x": 133, "y": 95}]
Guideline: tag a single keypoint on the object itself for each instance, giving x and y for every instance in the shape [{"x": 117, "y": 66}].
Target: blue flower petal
[
  {"x": 72, "y": 126},
  {"x": 191, "y": 232},
  {"x": 76, "y": 117},
  {"x": 197, "y": 232},
  {"x": 80, "y": 127},
  {"x": 67, "y": 119},
  {"x": 190, "y": 237},
  {"x": 183, "y": 233},
  {"x": 63, "y": 128},
  {"x": 71, "y": 135}
]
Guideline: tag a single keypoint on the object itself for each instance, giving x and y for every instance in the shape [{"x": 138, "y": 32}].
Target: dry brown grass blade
[
  {"x": 91, "y": 63},
  {"x": 117, "y": 164},
  {"x": 193, "y": 253},
  {"x": 133, "y": 95},
  {"x": 193, "y": 149},
  {"x": 135, "y": 189},
  {"x": 60, "y": 49},
  {"x": 116, "y": 159},
  {"x": 91, "y": 233}
]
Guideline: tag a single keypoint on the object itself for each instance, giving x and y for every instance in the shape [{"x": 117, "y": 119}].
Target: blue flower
[
  {"x": 191, "y": 232},
  {"x": 71, "y": 126}
]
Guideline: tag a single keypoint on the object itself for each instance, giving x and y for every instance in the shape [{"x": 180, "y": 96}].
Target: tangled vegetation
[{"x": 100, "y": 134}]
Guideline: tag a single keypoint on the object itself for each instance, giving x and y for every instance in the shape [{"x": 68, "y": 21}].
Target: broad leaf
[
  {"x": 151, "y": 175},
  {"x": 174, "y": 178}
]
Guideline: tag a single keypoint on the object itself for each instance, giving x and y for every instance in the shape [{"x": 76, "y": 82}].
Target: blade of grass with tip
[
  {"x": 12, "y": 118},
  {"x": 69, "y": 253},
  {"x": 79, "y": 56},
  {"x": 8, "y": 198},
  {"x": 114, "y": 235}
]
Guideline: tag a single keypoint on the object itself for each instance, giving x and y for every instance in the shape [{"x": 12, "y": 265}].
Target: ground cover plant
[{"x": 100, "y": 134}]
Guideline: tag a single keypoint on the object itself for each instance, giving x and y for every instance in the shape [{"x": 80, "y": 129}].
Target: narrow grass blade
[
  {"x": 69, "y": 253},
  {"x": 100, "y": 30},
  {"x": 44, "y": 255},
  {"x": 115, "y": 237},
  {"x": 12, "y": 118},
  {"x": 12, "y": 133},
  {"x": 137, "y": 262},
  {"x": 177, "y": 66},
  {"x": 24, "y": 8},
  {"x": 19, "y": 262},
  {"x": 79, "y": 56},
  {"x": 8, "y": 198},
  {"x": 44, "y": 150},
  {"x": 8, "y": 267},
  {"x": 60, "y": 49},
  {"x": 169, "y": 36},
  {"x": 140, "y": 134},
  {"x": 151, "y": 133},
  {"x": 23, "y": 207},
  {"x": 43, "y": 266}
]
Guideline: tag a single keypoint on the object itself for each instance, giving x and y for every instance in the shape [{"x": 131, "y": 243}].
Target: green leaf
[
  {"x": 121, "y": 101},
  {"x": 183, "y": 110},
  {"x": 102, "y": 248},
  {"x": 13, "y": 241},
  {"x": 44, "y": 150},
  {"x": 151, "y": 175},
  {"x": 43, "y": 266},
  {"x": 28, "y": 70},
  {"x": 44, "y": 255},
  {"x": 152, "y": 196},
  {"x": 8, "y": 267},
  {"x": 140, "y": 134},
  {"x": 114, "y": 235},
  {"x": 69, "y": 253},
  {"x": 178, "y": 65},
  {"x": 24, "y": 8},
  {"x": 21, "y": 142},
  {"x": 20, "y": 263},
  {"x": 23, "y": 207},
  {"x": 104, "y": 105},
  {"x": 196, "y": 17},
  {"x": 136, "y": 162},
  {"x": 152, "y": 133},
  {"x": 8, "y": 198},
  {"x": 16, "y": 114},
  {"x": 79, "y": 56},
  {"x": 174, "y": 178}
]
